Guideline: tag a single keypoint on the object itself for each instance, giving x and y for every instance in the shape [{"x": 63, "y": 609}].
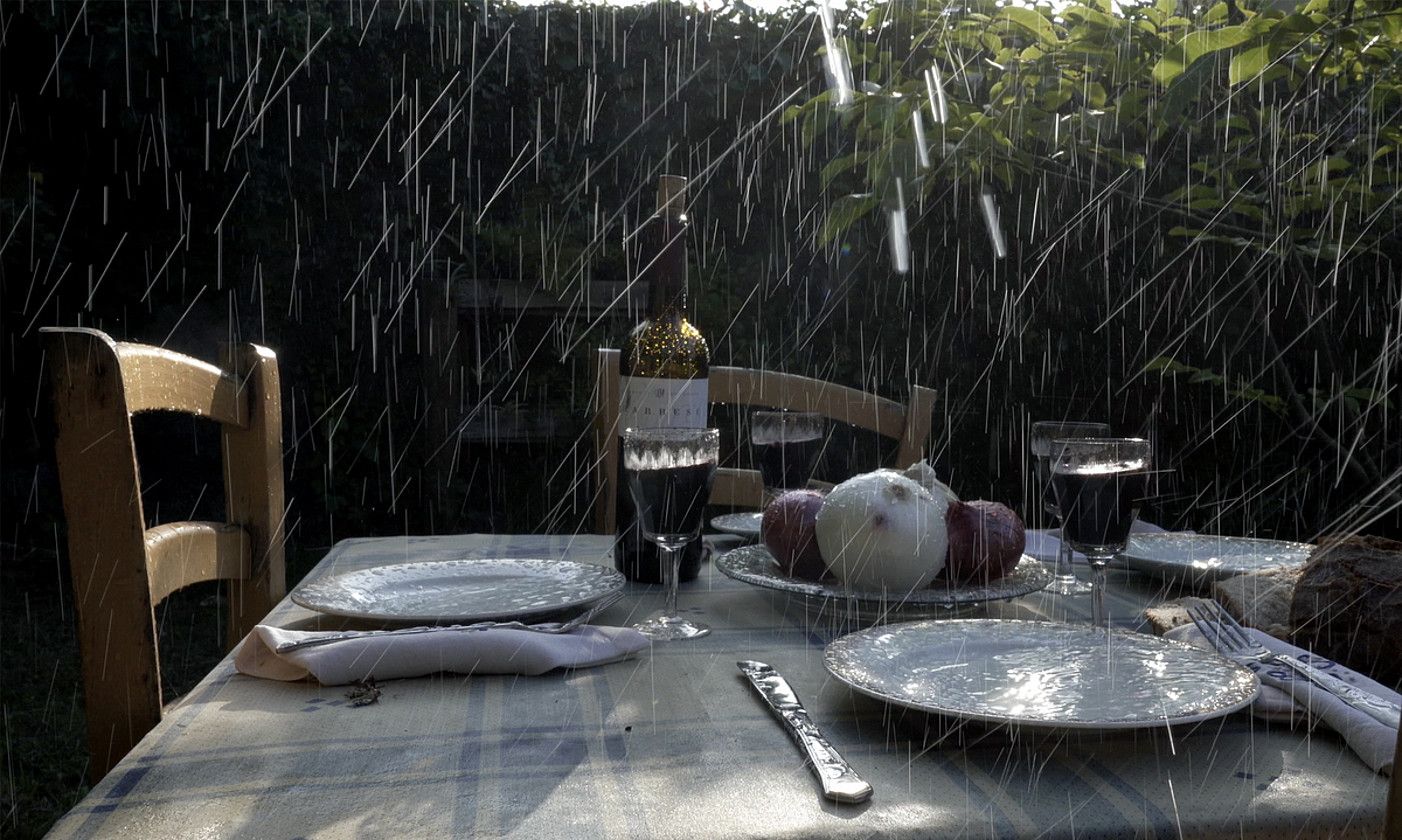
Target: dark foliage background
[{"x": 359, "y": 186}]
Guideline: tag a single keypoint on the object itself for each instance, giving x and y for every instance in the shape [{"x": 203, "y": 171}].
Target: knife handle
[
  {"x": 1375, "y": 707},
  {"x": 840, "y": 782}
]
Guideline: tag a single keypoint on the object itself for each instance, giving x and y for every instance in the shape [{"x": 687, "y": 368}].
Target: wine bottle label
[{"x": 652, "y": 403}]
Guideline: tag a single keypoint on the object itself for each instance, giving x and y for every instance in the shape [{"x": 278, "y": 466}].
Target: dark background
[{"x": 421, "y": 209}]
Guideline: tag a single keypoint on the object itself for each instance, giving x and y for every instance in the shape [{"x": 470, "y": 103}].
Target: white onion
[{"x": 883, "y": 531}]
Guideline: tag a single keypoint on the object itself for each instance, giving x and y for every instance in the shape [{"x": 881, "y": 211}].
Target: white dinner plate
[
  {"x": 754, "y": 564},
  {"x": 460, "y": 591},
  {"x": 739, "y": 524},
  {"x": 1203, "y": 558},
  {"x": 1040, "y": 673}
]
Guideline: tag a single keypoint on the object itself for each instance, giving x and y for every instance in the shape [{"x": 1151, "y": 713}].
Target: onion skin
[
  {"x": 986, "y": 540},
  {"x": 789, "y": 531}
]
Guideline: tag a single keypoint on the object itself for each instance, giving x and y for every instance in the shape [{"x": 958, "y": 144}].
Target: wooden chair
[
  {"x": 122, "y": 569},
  {"x": 910, "y": 424}
]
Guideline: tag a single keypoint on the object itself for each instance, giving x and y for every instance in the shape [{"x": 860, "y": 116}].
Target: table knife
[{"x": 840, "y": 782}]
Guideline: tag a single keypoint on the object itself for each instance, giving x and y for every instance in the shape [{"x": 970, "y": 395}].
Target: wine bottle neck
[{"x": 664, "y": 265}]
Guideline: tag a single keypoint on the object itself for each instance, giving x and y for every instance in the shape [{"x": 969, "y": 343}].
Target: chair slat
[
  {"x": 179, "y": 554},
  {"x": 743, "y": 386},
  {"x": 158, "y": 379}
]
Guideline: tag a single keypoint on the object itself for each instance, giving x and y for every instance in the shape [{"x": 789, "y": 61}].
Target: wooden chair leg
[{"x": 253, "y": 485}]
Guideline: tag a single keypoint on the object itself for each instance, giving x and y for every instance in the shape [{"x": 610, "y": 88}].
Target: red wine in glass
[
  {"x": 1099, "y": 485},
  {"x": 672, "y": 499},
  {"x": 1098, "y": 508},
  {"x": 788, "y": 464},
  {"x": 669, "y": 474},
  {"x": 787, "y": 445},
  {"x": 1043, "y": 433}
]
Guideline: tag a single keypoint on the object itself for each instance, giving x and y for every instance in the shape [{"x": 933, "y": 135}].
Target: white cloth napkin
[
  {"x": 1044, "y": 544},
  {"x": 386, "y": 656},
  {"x": 1290, "y": 697}
]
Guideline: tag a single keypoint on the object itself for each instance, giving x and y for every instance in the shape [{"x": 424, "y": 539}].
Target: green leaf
[
  {"x": 1032, "y": 21},
  {"x": 1086, "y": 14},
  {"x": 1248, "y": 64},
  {"x": 1167, "y": 365},
  {"x": 845, "y": 212},
  {"x": 1194, "y": 45},
  {"x": 1369, "y": 396},
  {"x": 1186, "y": 89},
  {"x": 836, "y": 167},
  {"x": 1298, "y": 24}
]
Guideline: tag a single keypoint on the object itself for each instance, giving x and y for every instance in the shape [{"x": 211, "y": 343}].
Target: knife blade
[{"x": 840, "y": 782}]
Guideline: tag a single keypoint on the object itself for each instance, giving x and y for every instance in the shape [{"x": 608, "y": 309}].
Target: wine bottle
[{"x": 664, "y": 366}]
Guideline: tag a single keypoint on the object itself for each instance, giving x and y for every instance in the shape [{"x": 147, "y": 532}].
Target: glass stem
[
  {"x": 1099, "y": 616},
  {"x": 1063, "y": 559},
  {"x": 671, "y": 574}
]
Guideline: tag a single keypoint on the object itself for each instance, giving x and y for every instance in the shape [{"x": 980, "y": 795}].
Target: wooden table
[{"x": 676, "y": 744}]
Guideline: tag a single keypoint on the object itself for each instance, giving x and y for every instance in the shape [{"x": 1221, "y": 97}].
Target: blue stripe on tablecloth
[
  {"x": 1080, "y": 796},
  {"x": 132, "y": 776},
  {"x": 1161, "y": 822},
  {"x": 977, "y": 798},
  {"x": 465, "y": 805},
  {"x": 547, "y": 753},
  {"x": 616, "y": 748}
]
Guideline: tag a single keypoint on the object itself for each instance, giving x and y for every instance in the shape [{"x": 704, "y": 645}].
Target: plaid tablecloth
[{"x": 676, "y": 744}]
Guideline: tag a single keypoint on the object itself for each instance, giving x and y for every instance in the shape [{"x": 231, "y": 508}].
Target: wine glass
[
  {"x": 786, "y": 445},
  {"x": 1043, "y": 433},
  {"x": 1099, "y": 485},
  {"x": 670, "y": 472}
]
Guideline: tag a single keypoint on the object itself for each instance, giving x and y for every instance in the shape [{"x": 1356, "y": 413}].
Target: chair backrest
[
  {"x": 910, "y": 424},
  {"x": 122, "y": 569}
]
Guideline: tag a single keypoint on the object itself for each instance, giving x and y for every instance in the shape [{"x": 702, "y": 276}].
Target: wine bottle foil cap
[{"x": 671, "y": 193}]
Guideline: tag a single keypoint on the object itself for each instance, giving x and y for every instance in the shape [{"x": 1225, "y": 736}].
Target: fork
[
  {"x": 1231, "y": 640},
  {"x": 553, "y": 627}
]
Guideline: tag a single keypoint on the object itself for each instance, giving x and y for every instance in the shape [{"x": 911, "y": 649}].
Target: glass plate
[
  {"x": 1040, "y": 673},
  {"x": 754, "y": 564},
  {"x": 1205, "y": 557},
  {"x": 739, "y": 524},
  {"x": 460, "y": 591}
]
